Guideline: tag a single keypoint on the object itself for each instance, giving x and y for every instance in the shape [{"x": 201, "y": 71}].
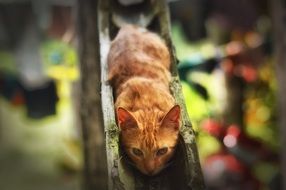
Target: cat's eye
[
  {"x": 162, "y": 151},
  {"x": 137, "y": 152}
]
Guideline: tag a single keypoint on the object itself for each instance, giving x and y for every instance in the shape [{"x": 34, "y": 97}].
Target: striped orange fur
[{"x": 139, "y": 63}]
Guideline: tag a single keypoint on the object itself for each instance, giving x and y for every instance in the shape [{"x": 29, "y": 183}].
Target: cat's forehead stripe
[{"x": 149, "y": 118}]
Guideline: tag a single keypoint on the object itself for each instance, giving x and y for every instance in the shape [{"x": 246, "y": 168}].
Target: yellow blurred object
[
  {"x": 63, "y": 72},
  {"x": 60, "y": 60}
]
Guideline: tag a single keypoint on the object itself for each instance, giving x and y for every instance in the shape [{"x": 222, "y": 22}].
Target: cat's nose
[{"x": 150, "y": 167}]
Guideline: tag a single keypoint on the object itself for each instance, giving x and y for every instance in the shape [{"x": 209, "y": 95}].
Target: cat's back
[
  {"x": 138, "y": 52},
  {"x": 140, "y": 43}
]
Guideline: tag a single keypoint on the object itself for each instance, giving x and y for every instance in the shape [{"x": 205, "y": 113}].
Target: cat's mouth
[{"x": 143, "y": 171}]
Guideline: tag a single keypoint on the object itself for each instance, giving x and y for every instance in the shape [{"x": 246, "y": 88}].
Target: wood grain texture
[{"x": 95, "y": 170}]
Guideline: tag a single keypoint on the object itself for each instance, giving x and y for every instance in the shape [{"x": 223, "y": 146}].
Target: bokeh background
[{"x": 226, "y": 65}]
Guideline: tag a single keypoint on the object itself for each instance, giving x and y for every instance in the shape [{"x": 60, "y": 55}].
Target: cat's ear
[
  {"x": 172, "y": 118},
  {"x": 125, "y": 119}
]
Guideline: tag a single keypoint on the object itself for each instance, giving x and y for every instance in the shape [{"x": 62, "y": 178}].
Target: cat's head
[{"x": 149, "y": 138}]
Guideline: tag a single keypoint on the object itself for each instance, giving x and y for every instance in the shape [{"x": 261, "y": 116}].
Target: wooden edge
[
  {"x": 117, "y": 177},
  {"x": 111, "y": 132}
]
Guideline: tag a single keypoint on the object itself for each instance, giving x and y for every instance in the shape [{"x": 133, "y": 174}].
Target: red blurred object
[
  {"x": 18, "y": 99},
  {"x": 242, "y": 61},
  {"x": 249, "y": 73},
  {"x": 223, "y": 171},
  {"x": 230, "y": 167},
  {"x": 213, "y": 127}
]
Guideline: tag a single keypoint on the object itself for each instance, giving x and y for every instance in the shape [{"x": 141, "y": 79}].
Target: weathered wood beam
[
  {"x": 185, "y": 173},
  {"x": 95, "y": 164}
]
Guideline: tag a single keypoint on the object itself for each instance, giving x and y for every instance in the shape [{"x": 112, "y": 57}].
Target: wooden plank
[
  {"x": 95, "y": 169},
  {"x": 185, "y": 172}
]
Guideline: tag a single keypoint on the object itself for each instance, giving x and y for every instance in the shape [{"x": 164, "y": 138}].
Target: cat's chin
[{"x": 151, "y": 173}]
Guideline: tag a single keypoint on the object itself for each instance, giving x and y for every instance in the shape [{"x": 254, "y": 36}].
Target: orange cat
[{"x": 146, "y": 113}]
